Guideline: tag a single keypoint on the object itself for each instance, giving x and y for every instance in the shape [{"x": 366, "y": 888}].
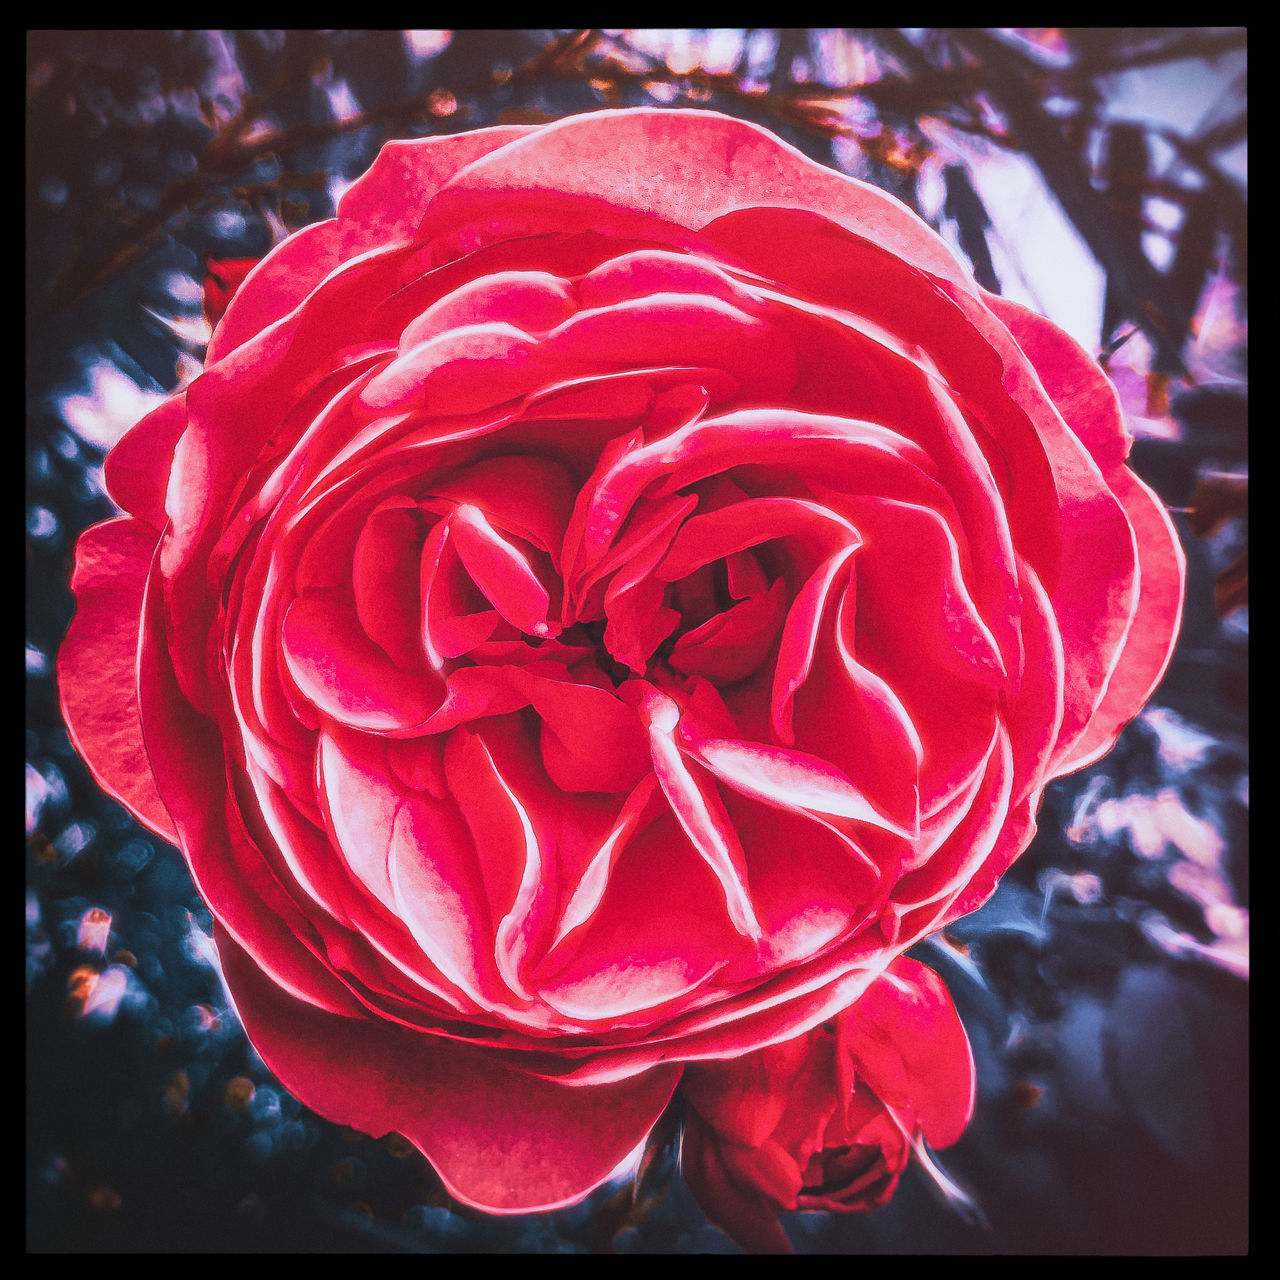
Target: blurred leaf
[
  {"x": 1231, "y": 586},
  {"x": 1142, "y": 47},
  {"x": 1219, "y": 496},
  {"x": 658, "y": 1158},
  {"x": 965, "y": 208},
  {"x": 1125, "y": 167},
  {"x": 1103, "y": 230},
  {"x": 524, "y": 115},
  {"x": 1161, "y": 1058}
]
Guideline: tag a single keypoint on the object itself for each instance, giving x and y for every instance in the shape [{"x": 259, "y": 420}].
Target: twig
[{"x": 1155, "y": 306}]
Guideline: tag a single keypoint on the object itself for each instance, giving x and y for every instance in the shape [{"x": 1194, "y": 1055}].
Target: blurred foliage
[
  {"x": 252, "y": 122},
  {"x": 1101, "y": 985}
]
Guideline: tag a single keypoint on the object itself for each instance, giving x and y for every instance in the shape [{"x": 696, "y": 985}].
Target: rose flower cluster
[{"x": 612, "y": 589}]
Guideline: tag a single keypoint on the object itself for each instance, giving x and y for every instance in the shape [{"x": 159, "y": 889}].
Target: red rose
[
  {"x": 611, "y": 590},
  {"x": 826, "y": 1121}
]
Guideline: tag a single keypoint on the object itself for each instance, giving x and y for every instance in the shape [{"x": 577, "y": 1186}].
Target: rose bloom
[
  {"x": 827, "y": 1120},
  {"x": 612, "y": 589}
]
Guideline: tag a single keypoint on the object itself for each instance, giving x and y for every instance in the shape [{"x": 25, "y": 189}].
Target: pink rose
[
  {"x": 826, "y": 1121},
  {"x": 612, "y": 589}
]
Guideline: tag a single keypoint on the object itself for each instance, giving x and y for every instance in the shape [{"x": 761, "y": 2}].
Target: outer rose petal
[
  {"x": 98, "y": 661},
  {"x": 1073, "y": 381},
  {"x": 501, "y": 1140},
  {"x": 230, "y": 873},
  {"x": 1091, "y": 407},
  {"x": 383, "y": 206},
  {"x": 641, "y": 162},
  {"x": 136, "y": 471},
  {"x": 1153, "y": 633}
]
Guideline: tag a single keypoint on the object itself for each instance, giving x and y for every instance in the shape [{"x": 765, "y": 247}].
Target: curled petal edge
[
  {"x": 97, "y": 667},
  {"x": 501, "y": 1140}
]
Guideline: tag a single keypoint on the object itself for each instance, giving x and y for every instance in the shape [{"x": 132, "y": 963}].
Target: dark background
[{"x": 1104, "y": 987}]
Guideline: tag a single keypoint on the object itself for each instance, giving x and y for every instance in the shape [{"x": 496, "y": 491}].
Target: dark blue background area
[{"x": 1113, "y": 1094}]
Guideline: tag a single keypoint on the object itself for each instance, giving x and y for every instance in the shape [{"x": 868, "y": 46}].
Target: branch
[
  {"x": 1156, "y": 306},
  {"x": 1191, "y": 43}
]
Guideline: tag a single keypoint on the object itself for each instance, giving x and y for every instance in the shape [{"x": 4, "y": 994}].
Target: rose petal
[
  {"x": 639, "y": 161},
  {"x": 734, "y": 643},
  {"x": 136, "y": 471},
  {"x": 910, "y": 1046},
  {"x": 658, "y": 937},
  {"x": 590, "y": 741},
  {"x": 384, "y": 204},
  {"x": 594, "y": 879},
  {"x": 384, "y": 579},
  {"x": 344, "y": 674},
  {"x": 788, "y": 779},
  {"x": 532, "y": 301},
  {"x": 1149, "y": 643},
  {"x": 698, "y": 809},
  {"x": 230, "y": 873},
  {"x": 97, "y": 666},
  {"x": 1090, "y": 405},
  {"x": 502, "y": 1140},
  {"x": 744, "y": 1216},
  {"x": 502, "y": 572},
  {"x": 800, "y": 639},
  {"x": 743, "y": 1098},
  {"x": 524, "y": 494},
  {"x": 439, "y": 893}
]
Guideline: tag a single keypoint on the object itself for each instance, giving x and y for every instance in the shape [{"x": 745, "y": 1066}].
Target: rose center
[{"x": 592, "y": 635}]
